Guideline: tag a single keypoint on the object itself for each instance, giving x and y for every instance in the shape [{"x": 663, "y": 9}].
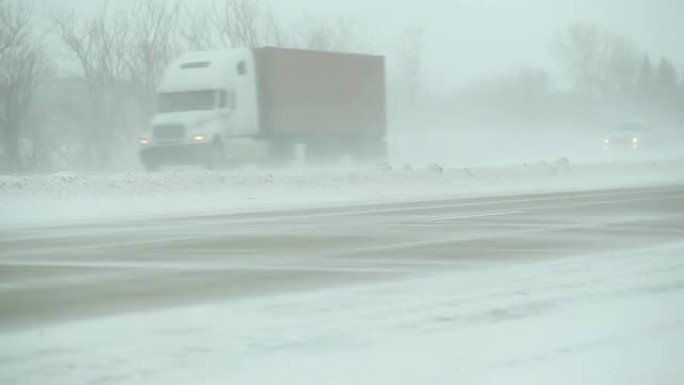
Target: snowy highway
[
  {"x": 341, "y": 192},
  {"x": 555, "y": 287}
]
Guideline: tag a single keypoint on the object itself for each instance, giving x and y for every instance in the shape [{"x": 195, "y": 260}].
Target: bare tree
[
  {"x": 331, "y": 34},
  {"x": 665, "y": 77},
  {"x": 153, "y": 42},
  {"x": 597, "y": 61},
  {"x": 250, "y": 23},
  {"x": 645, "y": 76},
  {"x": 238, "y": 23},
  {"x": 14, "y": 20},
  {"x": 231, "y": 24},
  {"x": 98, "y": 46},
  {"x": 273, "y": 30},
  {"x": 622, "y": 64},
  {"x": 22, "y": 64},
  {"x": 580, "y": 50},
  {"x": 197, "y": 34}
]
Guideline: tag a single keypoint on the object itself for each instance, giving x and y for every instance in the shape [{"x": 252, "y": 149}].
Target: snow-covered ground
[
  {"x": 66, "y": 195},
  {"x": 595, "y": 319}
]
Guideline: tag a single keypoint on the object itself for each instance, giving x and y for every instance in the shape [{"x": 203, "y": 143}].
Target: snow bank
[{"x": 68, "y": 195}]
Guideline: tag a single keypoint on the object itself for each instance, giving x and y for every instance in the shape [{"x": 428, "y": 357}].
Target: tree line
[
  {"x": 599, "y": 79},
  {"x": 76, "y": 89},
  {"x": 611, "y": 69}
]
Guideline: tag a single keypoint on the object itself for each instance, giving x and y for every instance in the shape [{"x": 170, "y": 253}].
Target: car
[{"x": 628, "y": 135}]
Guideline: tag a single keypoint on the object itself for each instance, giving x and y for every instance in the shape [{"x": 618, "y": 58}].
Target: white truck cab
[{"x": 206, "y": 101}]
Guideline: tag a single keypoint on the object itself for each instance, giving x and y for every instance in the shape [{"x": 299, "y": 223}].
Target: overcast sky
[{"x": 466, "y": 39}]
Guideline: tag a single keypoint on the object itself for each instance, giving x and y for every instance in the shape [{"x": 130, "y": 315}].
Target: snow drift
[{"x": 67, "y": 195}]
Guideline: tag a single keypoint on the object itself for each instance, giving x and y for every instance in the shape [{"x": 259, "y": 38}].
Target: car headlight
[
  {"x": 606, "y": 141},
  {"x": 635, "y": 140},
  {"x": 144, "y": 141},
  {"x": 199, "y": 138}
]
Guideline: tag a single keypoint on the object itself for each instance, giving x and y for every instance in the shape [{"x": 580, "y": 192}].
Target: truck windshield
[{"x": 187, "y": 101}]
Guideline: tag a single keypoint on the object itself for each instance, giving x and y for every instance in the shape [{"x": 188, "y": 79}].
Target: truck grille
[{"x": 168, "y": 133}]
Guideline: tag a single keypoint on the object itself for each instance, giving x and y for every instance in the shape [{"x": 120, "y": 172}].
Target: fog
[
  {"x": 341, "y": 192},
  {"x": 466, "y": 39},
  {"x": 534, "y": 79}
]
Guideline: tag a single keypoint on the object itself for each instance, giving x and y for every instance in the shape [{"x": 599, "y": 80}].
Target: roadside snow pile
[{"x": 70, "y": 195}]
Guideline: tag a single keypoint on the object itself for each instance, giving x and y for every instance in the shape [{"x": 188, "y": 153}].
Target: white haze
[
  {"x": 468, "y": 53},
  {"x": 488, "y": 112},
  {"x": 472, "y": 39}
]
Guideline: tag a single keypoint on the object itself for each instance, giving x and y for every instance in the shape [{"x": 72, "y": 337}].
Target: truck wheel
[
  {"x": 322, "y": 153},
  {"x": 215, "y": 157},
  {"x": 281, "y": 154},
  {"x": 370, "y": 151},
  {"x": 151, "y": 166},
  {"x": 151, "y": 162},
  {"x": 315, "y": 154}
]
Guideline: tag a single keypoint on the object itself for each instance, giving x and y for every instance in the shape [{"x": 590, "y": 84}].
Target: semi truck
[{"x": 270, "y": 106}]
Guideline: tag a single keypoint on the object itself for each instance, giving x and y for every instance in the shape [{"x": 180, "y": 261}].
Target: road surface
[{"x": 90, "y": 269}]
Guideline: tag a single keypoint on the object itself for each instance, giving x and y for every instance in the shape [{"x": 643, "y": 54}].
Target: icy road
[{"x": 563, "y": 288}]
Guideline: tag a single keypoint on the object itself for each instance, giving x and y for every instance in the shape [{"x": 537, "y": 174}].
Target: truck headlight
[
  {"x": 606, "y": 141},
  {"x": 199, "y": 138},
  {"x": 635, "y": 140},
  {"x": 144, "y": 141}
]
